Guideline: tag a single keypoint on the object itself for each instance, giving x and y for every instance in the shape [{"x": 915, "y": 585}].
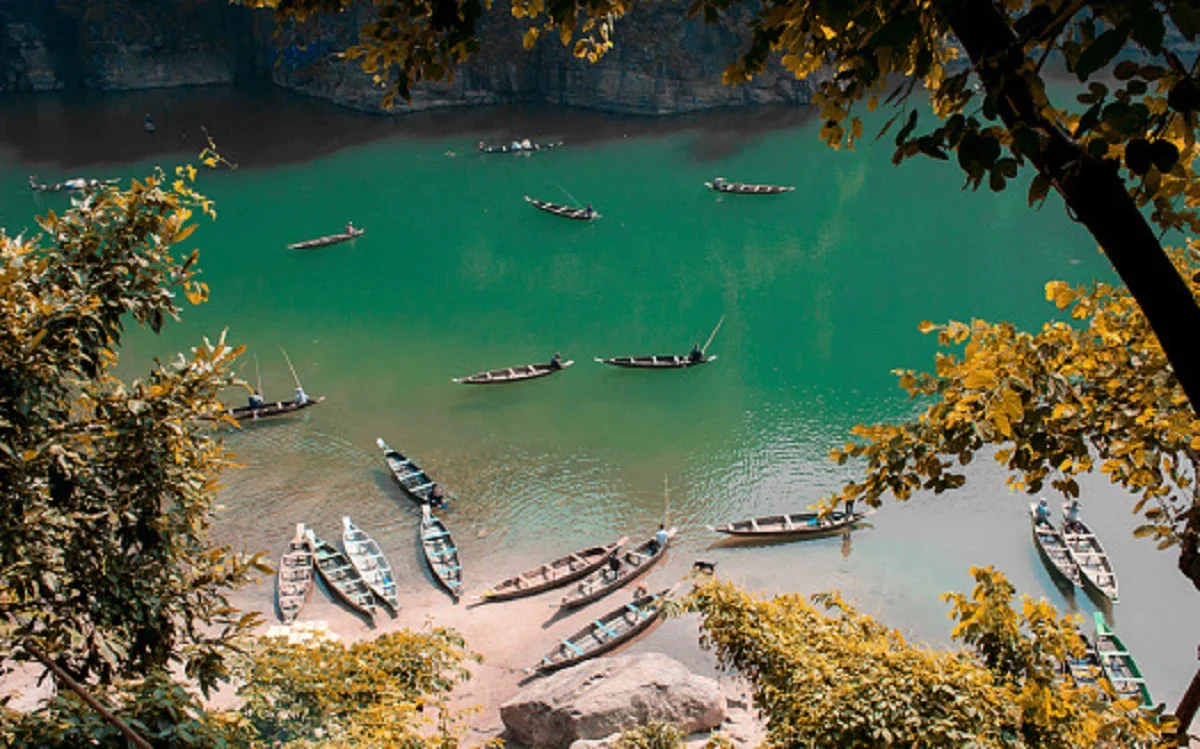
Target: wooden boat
[
  {"x": 1053, "y": 549},
  {"x": 269, "y": 410},
  {"x": 512, "y": 374},
  {"x": 371, "y": 563},
  {"x": 634, "y": 563},
  {"x": 604, "y": 634},
  {"x": 799, "y": 524},
  {"x": 669, "y": 361},
  {"x": 578, "y": 214},
  {"x": 295, "y": 577},
  {"x": 720, "y": 185},
  {"x": 439, "y": 549},
  {"x": 340, "y": 575},
  {"x": 555, "y": 574},
  {"x": 1118, "y": 665},
  {"x": 414, "y": 481},
  {"x": 525, "y": 147},
  {"x": 1086, "y": 552},
  {"x": 327, "y": 240}
]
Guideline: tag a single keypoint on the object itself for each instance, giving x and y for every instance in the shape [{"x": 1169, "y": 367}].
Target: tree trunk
[
  {"x": 1096, "y": 194},
  {"x": 1186, "y": 711}
]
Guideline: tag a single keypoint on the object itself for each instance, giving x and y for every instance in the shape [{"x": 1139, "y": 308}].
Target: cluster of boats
[
  {"x": 1075, "y": 558},
  {"x": 359, "y": 573}
]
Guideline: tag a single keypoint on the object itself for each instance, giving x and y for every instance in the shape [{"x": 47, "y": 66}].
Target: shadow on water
[{"x": 261, "y": 127}]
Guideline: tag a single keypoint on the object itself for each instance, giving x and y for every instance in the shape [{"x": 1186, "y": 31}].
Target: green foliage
[
  {"x": 389, "y": 691},
  {"x": 835, "y": 677},
  {"x": 108, "y": 485},
  {"x": 654, "y": 734},
  {"x": 1096, "y": 393}
]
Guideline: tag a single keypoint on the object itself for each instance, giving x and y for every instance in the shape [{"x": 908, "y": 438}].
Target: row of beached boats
[{"x": 359, "y": 573}]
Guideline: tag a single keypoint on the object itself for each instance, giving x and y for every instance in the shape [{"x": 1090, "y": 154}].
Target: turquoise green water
[{"x": 821, "y": 291}]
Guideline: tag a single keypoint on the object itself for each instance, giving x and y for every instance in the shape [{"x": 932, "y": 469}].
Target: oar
[
  {"x": 569, "y": 195},
  {"x": 712, "y": 335},
  {"x": 257, "y": 374},
  {"x": 289, "y": 363},
  {"x": 666, "y": 501}
]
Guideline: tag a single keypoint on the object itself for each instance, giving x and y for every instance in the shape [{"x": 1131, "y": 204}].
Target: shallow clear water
[{"x": 821, "y": 291}]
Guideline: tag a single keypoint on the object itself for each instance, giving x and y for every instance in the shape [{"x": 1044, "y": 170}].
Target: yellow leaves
[
  {"x": 530, "y": 38},
  {"x": 1060, "y": 293},
  {"x": 183, "y": 233},
  {"x": 827, "y": 31},
  {"x": 926, "y": 326}
]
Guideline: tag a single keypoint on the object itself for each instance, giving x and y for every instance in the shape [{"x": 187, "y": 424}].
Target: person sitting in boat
[
  {"x": 556, "y": 361},
  {"x": 301, "y": 396},
  {"x": 1043, "y": 510},
  {"x": 696, "y": 356},
  {"x": 718, "y": 182},
  {"x": 349, "y": 227},
  {"x": 1071, "y": 511},
  {"x": 527, "y": 145},
  {"x": 148, "y": 123},
  {"x": 482, "y": 147},
  {"x": 661, "y": 537},
  {"x": 514, "y": 146},
  {"x": 589, "y": 211},
  {"x": 256, "y": 400}
]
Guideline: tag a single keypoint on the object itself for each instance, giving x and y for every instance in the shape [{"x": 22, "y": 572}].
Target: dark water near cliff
[{"x": 821, "y": 291}]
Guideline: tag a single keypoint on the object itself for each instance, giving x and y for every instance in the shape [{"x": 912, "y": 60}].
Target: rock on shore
[{"x": 599, "y": 698}]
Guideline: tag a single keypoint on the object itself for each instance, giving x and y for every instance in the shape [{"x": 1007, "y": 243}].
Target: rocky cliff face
[{"x": 663, "y": 63}]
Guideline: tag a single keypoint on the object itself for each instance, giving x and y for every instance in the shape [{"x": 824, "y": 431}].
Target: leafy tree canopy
[
  {"x": 389, "y": 691},
  {"x": 827, "y": 675},
  {"x": 1092, "y": 393}
]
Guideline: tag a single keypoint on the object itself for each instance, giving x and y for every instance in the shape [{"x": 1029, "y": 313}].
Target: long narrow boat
[
  {"x": 668, "y": 361},
  {"x": 604, "y": 634},
  {"x": 339, "y": 574},
  {"x": 578, "y": 214},
  {"x": 795, "y": 525},
  {"x": 440, "y": 552},
  {"x": 512, "y": 374},
  {"x": 1053, "y": 549},
  {"x": 294, "y": 580},
  {"x": 523, "y": 147},
  {"x": 720, "y": 185},
  {"x": 1119, "y": 666},
  {"x": 1089, "y": 555},
  {"x": 634, "y": 563},
  {"x": 554, "y": 574},
  {"x": 326, "y": 241},
  {"x": 411, "y": 478},
  {"x": 371, "y": 563},
  {"x": 268, "y": 410}
]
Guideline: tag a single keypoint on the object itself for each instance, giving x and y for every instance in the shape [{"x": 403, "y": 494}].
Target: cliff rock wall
[{"x": 663, "y": 63}]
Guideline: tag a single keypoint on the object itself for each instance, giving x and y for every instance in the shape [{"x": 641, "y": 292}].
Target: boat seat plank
[
  {"x": 419, "y": 487},
  {"x": 577, "y": 650},
  {"x": 444, "y": 552},
  {"x": 605, "y": 628},
  {"x": 436, "y": 535}
]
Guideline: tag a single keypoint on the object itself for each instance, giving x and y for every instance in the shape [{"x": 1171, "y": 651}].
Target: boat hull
[
  {"x": 669, "y": 361},
  {"x": 411, "y": 478},
  {"x": 600, "y": 637},
  {"x": 1099, "y": 579},
  {"x": 562, "y": 211},
  {"x": 341, "y": 577},
  {"x": 1053, "y": 551},
  {"x": 327, "y": 241},
  {"x": 508, "y": 590},
  {"x": 507, "y": 375},
  {"x": 268, "y": 411},
  {"x": 801, "y": 526},
  {"x": 440, "y": 553},
  {"x": 598, "y": 585}
]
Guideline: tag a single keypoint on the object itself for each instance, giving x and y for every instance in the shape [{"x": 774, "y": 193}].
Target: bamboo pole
[
  {"x": 712, "y": 335},
  {"x": 91, "y": 701},
  {"x": 288, "y": 359}
]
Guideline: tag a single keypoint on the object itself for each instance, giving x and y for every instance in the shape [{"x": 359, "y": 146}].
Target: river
[{"x": 821, "y": 291}]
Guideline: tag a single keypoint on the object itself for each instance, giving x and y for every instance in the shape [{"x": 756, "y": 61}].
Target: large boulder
[{"x": 609, "y": 695}]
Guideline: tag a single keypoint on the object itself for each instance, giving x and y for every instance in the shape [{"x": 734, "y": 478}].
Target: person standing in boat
[
  {"x": 349, "y": 227},
  {"x": 256, "y": 400},
  {"x": 1043, "y": 510},
  {"x": 696, "y": 356},
  {"x": 614, "y": 565},
  {"x": 301, "y": 396},
  {"x": 556, "y": 362},
  {"x": 1070, "y": 513},
  {"x": 849, "y": 508}
]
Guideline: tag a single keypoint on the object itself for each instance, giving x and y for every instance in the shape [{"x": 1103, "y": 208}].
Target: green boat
[{"x": 1118, "y": 664}]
